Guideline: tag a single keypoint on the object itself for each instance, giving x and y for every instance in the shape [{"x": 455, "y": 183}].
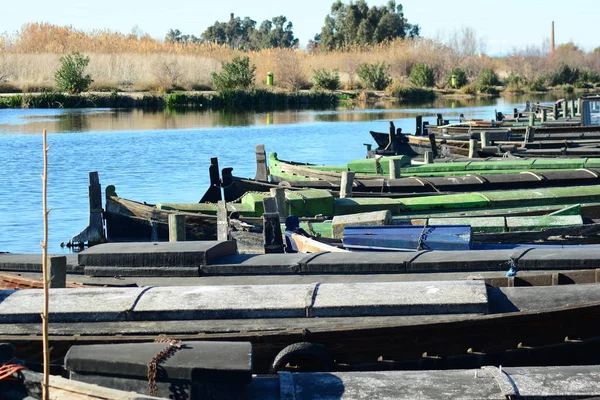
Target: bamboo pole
[{"x": 45, "y": 394}]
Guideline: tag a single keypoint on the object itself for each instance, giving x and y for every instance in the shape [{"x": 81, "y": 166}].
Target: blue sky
[{"x": 504, "y": 24}]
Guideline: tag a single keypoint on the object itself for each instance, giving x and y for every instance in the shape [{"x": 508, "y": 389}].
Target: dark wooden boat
[
  {"x": 532, "y": 321},
  {"x": 132, "y": 221},
  {"x": 235, "y": 187}
]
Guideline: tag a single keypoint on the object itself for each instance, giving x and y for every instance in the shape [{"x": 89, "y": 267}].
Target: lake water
[{"x": 164, "y": 156}]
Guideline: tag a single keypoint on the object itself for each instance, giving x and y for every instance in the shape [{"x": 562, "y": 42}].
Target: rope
[
  {"x": 422, "y": 237},
  {"x": 7, "y": 370}
]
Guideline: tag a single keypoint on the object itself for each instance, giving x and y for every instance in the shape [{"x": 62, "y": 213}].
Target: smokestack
[{"x": 552, "y": 39}]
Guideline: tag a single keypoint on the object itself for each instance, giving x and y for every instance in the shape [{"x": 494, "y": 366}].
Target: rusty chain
[{"x": 172, "y": 346}]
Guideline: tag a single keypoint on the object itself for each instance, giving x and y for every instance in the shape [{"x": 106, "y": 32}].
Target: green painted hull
[
  {"x": 377, "y": 168},
  {"x": 315, "y": 202}
]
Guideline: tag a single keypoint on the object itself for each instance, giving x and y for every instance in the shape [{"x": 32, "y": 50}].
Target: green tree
[
  {"x": 69, "y": 77},
  {"x": 242, "y": 34},
  {"x": 421, "y": 75},
  {"x": 488, "y": 77},
  {"x": 175, "y": 36},
  {"x": 357, "y": 24},
  {"x": 274, "y": 33},
  {"x": 374, "y": 76},
  {"x": 238, "y": 74},
  {"x": 324, "y": 79}
]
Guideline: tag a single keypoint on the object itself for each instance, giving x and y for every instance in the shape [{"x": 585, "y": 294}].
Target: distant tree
[
  {"x": 242, "y": 34},
  {"x": 69, "y": 77},
  {"x": 274, "y": 33},
  {"x": 175, "y": 36},
  {"x": 357, "y": 24}
]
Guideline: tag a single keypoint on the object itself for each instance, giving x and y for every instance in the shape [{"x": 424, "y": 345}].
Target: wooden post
[
  {"x": 565, "y": 109},
  {"x": 529, "y": 135},
  {"x": 58, "y": 271},
  {"x": 580, "y": 108},
  {"x": 346, "y": 184},
  {"x": 261, "y": 163},
  {"x": 418, "y": 130},
  {"x": 573, "y": 109},
  {"x": 531, "y": 119},
  {"x": 94, "y": 232},
  {"x": 428, "y": 157},
  {"x": 544, "y": 115},
  {"x": 473, "y": 148},
  {"x": 555, "y": 111},
  {"x": 215, "y": 181},
  {"x": 392, "y": 141},
  {"x": 484, "y": 139},
  {"x": 273, "y": 239},
  {"x": 515, "y": 113},
  {"x": 222, "y": 221},
  {"x": 279, "y": 195},
  {"x": 45, "y": 276},
  {"x": 213, "y": 193},
  {"x": 395, "y": 167},
  {"x": 433, "y": 144},
  {"x": 176, "y": 228}
]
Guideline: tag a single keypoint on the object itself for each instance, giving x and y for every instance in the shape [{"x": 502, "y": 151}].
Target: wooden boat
[
  {"x": 234, "y": 187},
  {"x": 132, "y": 221},
  {"x": 281, "y": 170},
  {"x": 531, "y": 318},
  {"x": 15, "y": 281}
]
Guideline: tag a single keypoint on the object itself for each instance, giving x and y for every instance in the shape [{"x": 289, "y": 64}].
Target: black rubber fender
[{"x": 309, "y": 357}]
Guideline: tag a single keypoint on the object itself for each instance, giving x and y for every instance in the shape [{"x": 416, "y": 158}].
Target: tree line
[{"x": 346, "y": 25}]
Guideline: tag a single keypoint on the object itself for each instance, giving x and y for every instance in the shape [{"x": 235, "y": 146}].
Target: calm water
[{"x": 161, "y": 156}]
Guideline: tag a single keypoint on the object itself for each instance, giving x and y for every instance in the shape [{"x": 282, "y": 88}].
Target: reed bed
[{"x": 140, "y": 63}]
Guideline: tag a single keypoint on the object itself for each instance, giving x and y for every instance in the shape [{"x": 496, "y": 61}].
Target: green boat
[
  {"x": 316, "y": 202},
  {"x": 371, "y": 168}
]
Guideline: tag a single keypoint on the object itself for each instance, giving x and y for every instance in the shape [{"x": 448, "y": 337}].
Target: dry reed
[{"x": 138, "y": 62}]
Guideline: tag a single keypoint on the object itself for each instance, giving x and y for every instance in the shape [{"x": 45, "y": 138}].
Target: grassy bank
[{"x": 238, "y": 100}]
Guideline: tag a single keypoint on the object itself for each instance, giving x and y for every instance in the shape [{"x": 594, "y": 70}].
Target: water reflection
[{"x": 102, "y": 120}]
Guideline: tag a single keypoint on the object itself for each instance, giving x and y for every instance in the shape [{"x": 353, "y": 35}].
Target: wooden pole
[
  {"x": 58, "y": 271},
  {"x": 433, "y": 144},
  {"x": 46, "y": 282},
  {"x": 419, "y": 127},
  {"x": 555, "y": 111},
  {"x": 176, "y": 228},
  {"x": 395, "y": 166},
  {"x": 484, "y": 139},
  {"x": 222, "y": 221},
  {"x": 279, "y": 195},
  {"x": 473, "y": 148},
  {"x": 565, "y": 108},
  {"x": 428, "y": 157},
  {"x": 346, "y": 184},
  {"x": 261, "y": 163},
  {"x": 544, "y": 115}
]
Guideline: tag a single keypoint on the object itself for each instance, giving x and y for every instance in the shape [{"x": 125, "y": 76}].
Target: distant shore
[{"x": 243, "y": 100}]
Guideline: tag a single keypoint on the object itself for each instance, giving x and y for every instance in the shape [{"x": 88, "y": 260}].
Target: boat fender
[{"x": 306, "y": 356}]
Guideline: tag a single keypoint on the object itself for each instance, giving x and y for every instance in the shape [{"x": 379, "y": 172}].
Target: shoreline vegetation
[{"x": 136, "y": 71}]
